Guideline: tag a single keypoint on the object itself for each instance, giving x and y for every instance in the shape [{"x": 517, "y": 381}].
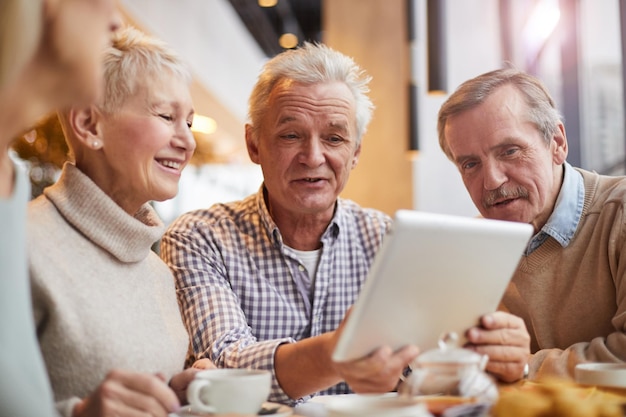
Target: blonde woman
[
  {"x": 105, "y": 305},
  {"x": 50, "y": 56}
]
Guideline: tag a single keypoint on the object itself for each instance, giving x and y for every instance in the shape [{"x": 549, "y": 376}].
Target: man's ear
[
  {"x": 560, "y": 149},
  {"x": 252, "y": 143},
  {"x": 355, "y": 157},
  {"x": 84, "y": 123}
]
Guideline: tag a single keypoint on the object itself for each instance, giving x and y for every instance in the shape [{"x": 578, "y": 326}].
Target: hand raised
[
  {"x": 378, "y": 372},
  {"x": 505, "y": 339}
]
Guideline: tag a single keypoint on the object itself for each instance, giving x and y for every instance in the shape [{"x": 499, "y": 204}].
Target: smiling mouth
[
  {"x": 311, "y": 179},
  {"x": 170, "y": 164}
]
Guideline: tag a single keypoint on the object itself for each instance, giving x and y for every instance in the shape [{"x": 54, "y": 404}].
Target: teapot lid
[{"x": 449, "y": 352}]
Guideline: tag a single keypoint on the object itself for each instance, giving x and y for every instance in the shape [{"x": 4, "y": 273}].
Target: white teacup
[
  {"x": 602, "y": 374},
  {"x": 376, "y": 406},
  {"x": 223, "y": 391}
]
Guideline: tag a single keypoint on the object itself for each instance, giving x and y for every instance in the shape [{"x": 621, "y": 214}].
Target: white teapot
[{"x": 450, "y": 370}]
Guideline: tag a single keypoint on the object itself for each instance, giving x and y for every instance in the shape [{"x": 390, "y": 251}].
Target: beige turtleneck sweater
[{"x": 102, "y": 299}]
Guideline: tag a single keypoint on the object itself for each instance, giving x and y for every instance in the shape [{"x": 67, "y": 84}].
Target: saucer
[
  {"x": 268, "y": 409},
  {"x": 275, "y": 410},
  {"x": 363, "y": 405},
  {"x": 601, "y": 374}
]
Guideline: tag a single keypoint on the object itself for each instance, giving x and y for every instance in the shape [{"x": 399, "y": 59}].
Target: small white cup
[
  {"x": 223, "y": 391},
  {"x": 601, "y": 374},
  {"x": 376, "y": 406}
]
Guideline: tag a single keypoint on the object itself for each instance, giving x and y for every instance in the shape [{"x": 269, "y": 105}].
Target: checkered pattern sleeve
[
  {"x": 240, "y": 289},
  {"x": 212, "y": 311}
]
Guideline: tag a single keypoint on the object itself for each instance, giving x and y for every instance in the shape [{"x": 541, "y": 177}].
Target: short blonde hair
[
  {"x": 135, "y": 56},
  {"x": 132, "y": 57},
  {"x": 21, "y": 25}
]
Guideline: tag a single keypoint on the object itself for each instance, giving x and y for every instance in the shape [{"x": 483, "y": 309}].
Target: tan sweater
[
  {"x": 102, "y": 299},
  {"x": 573, "y": 299}
]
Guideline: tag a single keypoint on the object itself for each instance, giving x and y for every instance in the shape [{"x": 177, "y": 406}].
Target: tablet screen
[{"x": 434, "y": 274}]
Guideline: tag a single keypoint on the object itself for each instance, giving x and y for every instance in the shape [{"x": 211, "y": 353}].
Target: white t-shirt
[{"x": 310, "y": 259}]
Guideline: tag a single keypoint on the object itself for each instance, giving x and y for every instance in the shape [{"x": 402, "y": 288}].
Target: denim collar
[{"x": 564, "y": 219}]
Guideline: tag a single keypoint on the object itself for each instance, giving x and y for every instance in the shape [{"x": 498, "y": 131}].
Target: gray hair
[
  {"x": 542, "y": 111},
  {"x": 312, "y": 63},
  {"x": 135, "y": 56},
  {"x": 21, "y": 25}
]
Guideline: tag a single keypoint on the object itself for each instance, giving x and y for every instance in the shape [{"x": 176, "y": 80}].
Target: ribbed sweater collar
[{"x": 86, "y": 207}]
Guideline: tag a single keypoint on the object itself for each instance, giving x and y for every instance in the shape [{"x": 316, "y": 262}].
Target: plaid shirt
[{"x": 240, "y": 288}]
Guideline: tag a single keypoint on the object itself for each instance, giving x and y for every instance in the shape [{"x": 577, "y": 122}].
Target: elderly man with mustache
[{"x": 503, "y": 132}]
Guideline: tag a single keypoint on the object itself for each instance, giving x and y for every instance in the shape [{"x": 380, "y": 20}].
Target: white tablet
[{"x": 434, "y": 274}]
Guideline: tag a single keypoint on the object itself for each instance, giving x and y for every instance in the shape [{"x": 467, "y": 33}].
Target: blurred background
[{"x": 418, "y": 51}]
